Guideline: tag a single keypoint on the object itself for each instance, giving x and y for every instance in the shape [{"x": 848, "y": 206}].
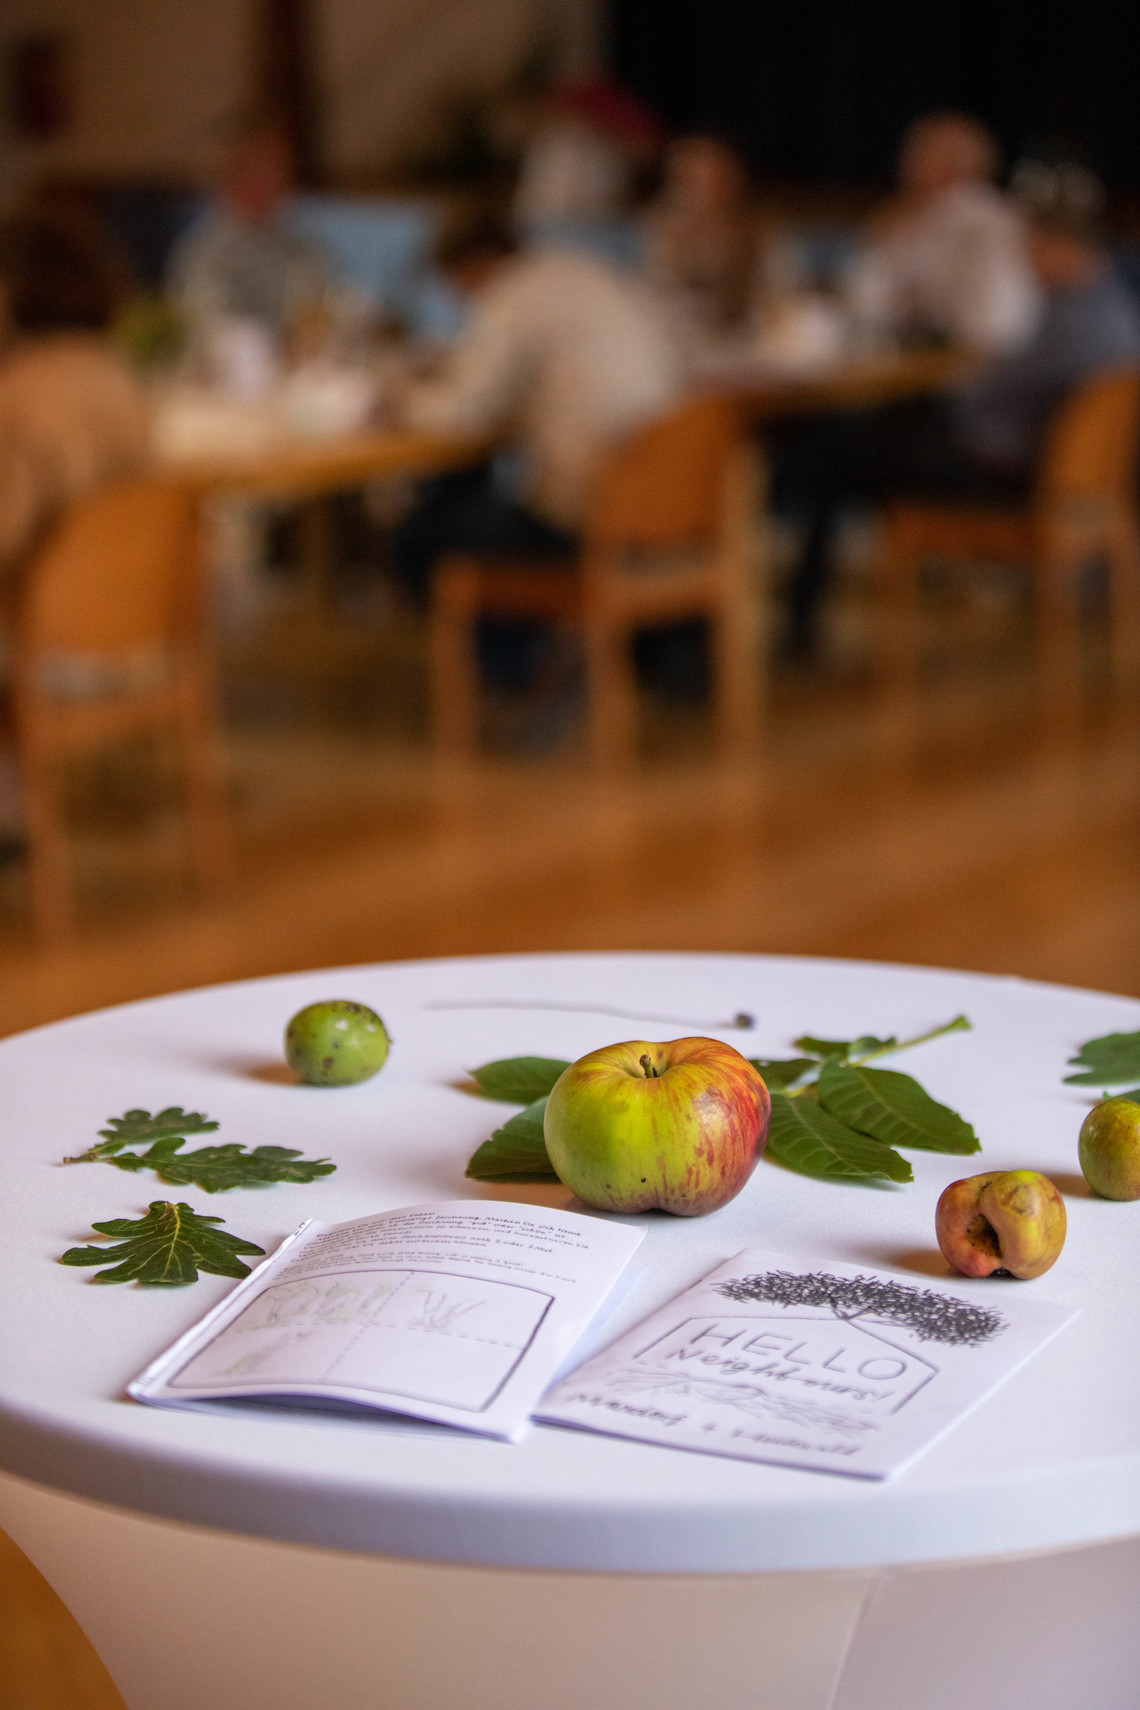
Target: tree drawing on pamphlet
[{"x": 931, "y": 1316}]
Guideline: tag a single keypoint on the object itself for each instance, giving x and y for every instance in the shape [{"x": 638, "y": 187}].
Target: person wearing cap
[
  {"x": 590, "y": 140},
  {"x": 946, "y": 258}
]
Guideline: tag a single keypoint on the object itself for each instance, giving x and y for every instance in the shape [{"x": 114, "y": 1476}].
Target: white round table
[{"x": 289, "y": 1562}]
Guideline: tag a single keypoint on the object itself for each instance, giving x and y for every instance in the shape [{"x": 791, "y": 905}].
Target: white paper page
[
  {"x": 817, "y": 1365},
  {"x": 460, "y": 1312}
]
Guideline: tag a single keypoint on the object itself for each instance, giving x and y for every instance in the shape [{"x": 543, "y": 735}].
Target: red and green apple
[{"x": 670, "y": 1127}]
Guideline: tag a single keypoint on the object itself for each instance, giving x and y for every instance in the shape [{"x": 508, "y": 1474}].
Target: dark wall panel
[{"x": 820, "y": 89}]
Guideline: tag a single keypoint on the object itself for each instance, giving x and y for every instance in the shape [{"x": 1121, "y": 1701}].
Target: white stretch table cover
[{"x": 1051, "y": 1459}]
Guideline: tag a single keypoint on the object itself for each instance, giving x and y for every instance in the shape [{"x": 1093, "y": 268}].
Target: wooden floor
[{"x": 975, "y": 833}]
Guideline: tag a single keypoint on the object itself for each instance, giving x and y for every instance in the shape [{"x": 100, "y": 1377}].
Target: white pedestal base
[{"x": 184, "y": 1618}]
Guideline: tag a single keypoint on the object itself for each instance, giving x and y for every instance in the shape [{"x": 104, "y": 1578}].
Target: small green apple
[
  {"x": 335, "y": 1043},
  {"x": 1109, "y": 1148},
  {"x": 675, "y": 1127},
  {"x": 1008, "y": 1221}
]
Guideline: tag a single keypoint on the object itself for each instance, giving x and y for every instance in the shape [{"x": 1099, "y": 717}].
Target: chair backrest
[
  {"x": 118, "y": 573},
  {"x": 664, "y": 485},
  {"x": 1091, "y": 449}
]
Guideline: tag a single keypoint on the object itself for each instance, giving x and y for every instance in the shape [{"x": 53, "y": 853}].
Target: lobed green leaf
[
  {"x": 137, "y": 1127},
  {"x": 805, "y": 1137},
  {"x": 1107, "y": 1061},
  {"x": 893, "y": 1109},
  {"x": 217, "y": 1169},
  {"x": 519, "y": 1080},
  {"x": 165, "y": 1249}
]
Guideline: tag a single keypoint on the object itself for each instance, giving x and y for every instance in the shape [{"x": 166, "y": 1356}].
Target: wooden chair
[
  {"x": 1083, "y": 507},
  {"x": 116, "y": 583},
  {"x": 670, "y": 535}
]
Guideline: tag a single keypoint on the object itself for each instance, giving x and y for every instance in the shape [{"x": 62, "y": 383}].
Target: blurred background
[
  {"x": 302, "y": 299},
  {"x": 560, "y": 474}
]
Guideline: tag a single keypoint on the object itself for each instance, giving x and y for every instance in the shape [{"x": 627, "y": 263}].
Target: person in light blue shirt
[
  {"x": 1091, "y": 321},
  {"x": 980, "y": 442}
]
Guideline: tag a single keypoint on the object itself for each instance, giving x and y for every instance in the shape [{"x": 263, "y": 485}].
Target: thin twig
[{"x": 742, "y": 1022}]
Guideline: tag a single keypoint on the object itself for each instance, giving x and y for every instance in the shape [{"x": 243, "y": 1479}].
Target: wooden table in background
[
  {"x": 862, "y": 382},
  {"x": 307, "y": 468},
  {"x": 305, "y": 471}
]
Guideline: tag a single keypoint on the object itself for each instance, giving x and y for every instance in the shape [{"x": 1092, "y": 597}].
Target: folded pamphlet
[
  {"x": 462, "y": 1313},
  {"x": 817, "y": 1365}
]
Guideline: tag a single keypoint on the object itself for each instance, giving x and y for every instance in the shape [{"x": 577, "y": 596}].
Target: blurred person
[
  {"x": 1090, "y": 321},
  {"x": 946, "y": 258},
  {"x": 241, "y": 262},
  {"x": 704, "y": 235},
  {"x": 72, "y": 415},
  {"x": 589, "y": 142},
  {"x": 569, "y": 356},
  {"x": 566, "y": 352},
  {"x": 982, "y": 441}
]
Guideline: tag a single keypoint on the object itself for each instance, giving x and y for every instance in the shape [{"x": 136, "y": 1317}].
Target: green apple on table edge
[
  {"x": 1109, "y": 1148},
  {"x": 673, "y": 1127}
]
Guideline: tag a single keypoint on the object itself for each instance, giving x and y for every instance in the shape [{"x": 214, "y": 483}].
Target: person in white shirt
[
  {"x": 566, "y": 353},
  {"x": 946, "y": 258}
]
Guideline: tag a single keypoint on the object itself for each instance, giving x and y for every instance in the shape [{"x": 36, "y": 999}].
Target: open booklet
[
  {"x": 816, "y": 1365},
  {"x": 461, "y": 1312}
]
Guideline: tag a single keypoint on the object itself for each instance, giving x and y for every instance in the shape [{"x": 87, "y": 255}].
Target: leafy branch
[
  {"x": 832, "y": 1116},
  {"x": 165, "y": 1249},
  {"x": 214, "y": 1169}
]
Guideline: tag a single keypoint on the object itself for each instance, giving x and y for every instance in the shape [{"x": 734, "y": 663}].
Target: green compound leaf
[
  {"x": 216, "y": 1169},
  {"x": 165, "y": 1249},
  {"x": 805, "y": 1137},
  {"x": 893, "y": 1109},
  {"x": 782, "y": 1071},
  {"x": 516, "y": 1152},
  {"x": 1107, "y": 1061},
  {"x": 519, "y": 1080}
]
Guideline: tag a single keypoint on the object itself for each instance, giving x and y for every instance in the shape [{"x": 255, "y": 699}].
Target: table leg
[{"x": 184, "y": 1618}]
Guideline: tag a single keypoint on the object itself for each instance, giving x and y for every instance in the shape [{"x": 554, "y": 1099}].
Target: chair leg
[
  {"x": 612, "y": 693},
  {"x": 208, "y": 822},
  {"x": 453, "y": 668},
  {"x": 52, "y": 905},
  {"x": 736, "y": 680}
]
